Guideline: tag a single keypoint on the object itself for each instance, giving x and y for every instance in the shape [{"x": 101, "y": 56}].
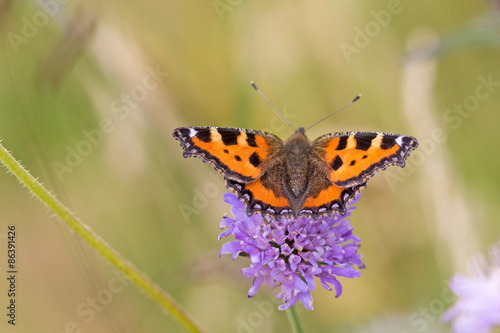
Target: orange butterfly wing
[
  {"x": 242, "y": 157},
  {"x": 238, "y": 154},
  {"x": 325, "y": 197},
  {"x": 352, "y": 158},
  {"x": 259, "y": 197},
  {"x": 349, "y": 160}
]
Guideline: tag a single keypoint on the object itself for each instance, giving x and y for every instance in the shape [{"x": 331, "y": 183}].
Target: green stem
[
  {"x": 294, "y": 319},
  {"x": 159, "y": 296}
]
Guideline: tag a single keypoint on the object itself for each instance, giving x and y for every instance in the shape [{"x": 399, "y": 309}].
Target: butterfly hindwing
[
  {"x": 351, "y": 158},
  {"x": 238, "y": 154},
  {"x": 264, "y": 195},
  {"x": 324, "y": 197}
]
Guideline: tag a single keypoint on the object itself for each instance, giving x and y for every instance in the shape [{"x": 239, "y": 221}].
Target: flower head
[
  {"x": 477, "y": 308},
  {"x": 290, "y": 253}
]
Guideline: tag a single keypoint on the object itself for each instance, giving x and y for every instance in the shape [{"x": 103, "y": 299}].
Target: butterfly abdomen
[{"x": 297, "y": 149}]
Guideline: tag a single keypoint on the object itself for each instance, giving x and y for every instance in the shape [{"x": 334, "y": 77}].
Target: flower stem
[
  {"x": 159, "y": 296},
  {"x": 294, "y": 319}
]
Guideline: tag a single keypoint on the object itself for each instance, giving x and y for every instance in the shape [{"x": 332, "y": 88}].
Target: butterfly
[{"x": 296, "y": 177}]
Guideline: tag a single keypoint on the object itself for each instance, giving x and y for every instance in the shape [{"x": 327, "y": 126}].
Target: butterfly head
[{"x": 298, "y": 143}]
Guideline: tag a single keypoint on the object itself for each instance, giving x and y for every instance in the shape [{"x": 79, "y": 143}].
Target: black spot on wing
[
  {"x": 237, "y": 158},
  {"x": 409, "y": 143},
  {"x": 364, "y": 140},
  {"x": 337, "y": 163},
  {"x": 255, "y": 160},
  {"x": 388, "y": 142},
  {"x": 342, "y": 143},
  {"x": 204, "y": 135},
  {"x": 353, "y": 163},
  {"x": 182, "y": 132},
  {"x": 251, "y": 140},
  {"x": 226, "y": 151},
  {"x": 229, "y": 137},
  {"x": 365, "y": 156}
]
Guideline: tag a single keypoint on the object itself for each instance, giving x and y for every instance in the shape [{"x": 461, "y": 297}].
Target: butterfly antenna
[
  {"x": 334, "y": 112},
  {"x": 274, "y": 108}
]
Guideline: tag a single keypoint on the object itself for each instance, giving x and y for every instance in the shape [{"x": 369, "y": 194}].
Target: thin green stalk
[
  {"x": 295, "y": 321},
  {"x": 159, "y": 296}
]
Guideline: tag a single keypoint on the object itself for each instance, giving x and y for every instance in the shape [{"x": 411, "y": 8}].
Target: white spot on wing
[
  {"x": 399, "y": 140},
  {"x": 192, "y": 132}
]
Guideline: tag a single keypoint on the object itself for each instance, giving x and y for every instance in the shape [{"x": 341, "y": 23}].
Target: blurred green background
[{"x": 83, "y": 111}]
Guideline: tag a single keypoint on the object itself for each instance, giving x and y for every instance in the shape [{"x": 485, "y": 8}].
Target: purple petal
[
  {"x": 307, "y": 300},
  {"x": 347, "y": 272},
  {"x": 294, "y": 260},
  {"x": 230, "y": 247},
  {"x": 289, "y": 253},
  {"x": 255, "y": 286},
  {"x": 286, "y": 249},
  {"x": 225, "y": 233},
  {"x": 233, "y": 200}
]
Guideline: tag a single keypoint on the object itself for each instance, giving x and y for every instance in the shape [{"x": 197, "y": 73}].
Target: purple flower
[
  {"x": 290, "y": 253},
  {"x": 477, "y": 308}
]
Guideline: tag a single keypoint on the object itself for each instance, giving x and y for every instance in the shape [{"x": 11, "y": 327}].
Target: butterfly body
[{"x": 296, "y": 177}]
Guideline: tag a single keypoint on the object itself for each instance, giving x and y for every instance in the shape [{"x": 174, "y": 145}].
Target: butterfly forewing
[
  {"x": 352, "y": 158},
  {"x": 238, "y": 154}
]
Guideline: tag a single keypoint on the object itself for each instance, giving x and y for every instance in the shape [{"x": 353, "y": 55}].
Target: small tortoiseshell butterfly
[{"x": 296, "y": 177}]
